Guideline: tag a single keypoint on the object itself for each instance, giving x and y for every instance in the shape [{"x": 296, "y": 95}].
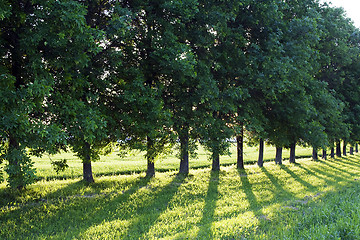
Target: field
[
  {"x": 307, "y": 200},
  {"x": 135, "y": 162}
]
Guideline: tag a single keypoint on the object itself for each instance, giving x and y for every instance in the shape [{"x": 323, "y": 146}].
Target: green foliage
[
  {"x": 85, "y": 75},
  {"x": 59, "y": 165},
  {"x": 19, "y": 169},
  {"x": 5, "y": 10},
  {"x": 39, "y": 42},
  {"x": 335, "y": 60}
]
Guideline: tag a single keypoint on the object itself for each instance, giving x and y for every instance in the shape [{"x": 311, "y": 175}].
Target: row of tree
[{"x": 88, "y": 75}]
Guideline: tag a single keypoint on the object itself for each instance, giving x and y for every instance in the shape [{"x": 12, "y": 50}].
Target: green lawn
[
  {"x": 136, "y": 163},
  {"x": 308, "y": 200}
]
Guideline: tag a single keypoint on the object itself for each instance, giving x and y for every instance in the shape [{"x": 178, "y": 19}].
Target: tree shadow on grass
[
  {"x": 337, "y": 170},
  {"x": 275, "y": 181},
  {"x": 296, "y": 177},
  {"x": 210, "y": 206},
  {"x": 329, "y": 179},
  {"x": 348, "y": 162},
  {"x": 247, "y": 188},
  {"x": 76, "y": 213},
  {"x": 152, "y": 210}
]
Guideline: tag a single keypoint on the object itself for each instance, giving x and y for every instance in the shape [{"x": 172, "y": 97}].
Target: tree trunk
[
  {"x": 292, "y": 153},
  {"x": 184, "y": 152},
  {"x": 344, "y": 148},
  {"x": 215, "y": 161},
  {"x": 278, "y": 157},
  {"x": 332, "y": 152},
  {"x": 315, "y": 154},
  {"x": 351, "y": 150},
  {"x": 240, "y": 149},
  {"x": 87, "y": 170},
  {"x": 338, "y": 149},
  {"x": 356, "y": 148},
  {"x": 15, "y": 178},
  {"x": 150, "y": 171},
  {"x": 324, "y": 154},
  {"x": 261, "y": 153}
]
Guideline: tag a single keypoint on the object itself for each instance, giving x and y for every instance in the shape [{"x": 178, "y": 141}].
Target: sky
[{"x": 352, "y": 8}]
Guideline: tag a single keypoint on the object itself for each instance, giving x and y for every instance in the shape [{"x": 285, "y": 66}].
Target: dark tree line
[{"x": 91, "y": 75}]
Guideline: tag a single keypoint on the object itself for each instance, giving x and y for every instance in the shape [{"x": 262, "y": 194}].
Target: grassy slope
[{"x": 309, "y": 200}]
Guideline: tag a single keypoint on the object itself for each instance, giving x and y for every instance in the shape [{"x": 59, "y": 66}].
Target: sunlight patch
[{"x": 107, "y": 230}]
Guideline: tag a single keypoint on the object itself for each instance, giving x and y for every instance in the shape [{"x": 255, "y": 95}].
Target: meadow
[
  {"x": 134, "y": 162},
  {"x": 306, "y": 200}
]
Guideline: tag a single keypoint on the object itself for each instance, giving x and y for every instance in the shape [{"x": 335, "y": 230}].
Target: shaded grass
[{"x": 307, "y": 200}]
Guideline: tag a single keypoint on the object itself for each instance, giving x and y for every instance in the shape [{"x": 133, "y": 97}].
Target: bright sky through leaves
[{"x": 352, "y": 8}]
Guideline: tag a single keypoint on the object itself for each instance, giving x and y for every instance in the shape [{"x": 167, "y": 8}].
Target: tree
[
  {"x": 78, "y": 102},
  {"x": 255, "y": 26},
  {"x": 155, "y": 58},
  {"x": 335, "y": 59},
  {"x": 223, "y": 61},
  {"x": 289, "y": 105},
  {"x": 38, "y": 38}
]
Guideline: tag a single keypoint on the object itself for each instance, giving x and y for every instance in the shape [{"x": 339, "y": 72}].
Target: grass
[
  {"x": 307, "y": 200},
  {"x": 136, "y": 163}
]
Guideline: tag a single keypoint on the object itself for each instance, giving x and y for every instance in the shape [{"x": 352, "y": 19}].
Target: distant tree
[
  {"x": 290, "y": 106},
  {"x": 335, "y": 61},
  {"x": 256, "y": 26}
]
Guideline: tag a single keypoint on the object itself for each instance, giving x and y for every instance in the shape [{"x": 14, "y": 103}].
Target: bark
[
  {"x": 351, "y": 150},
  {"x": 16, "y": 71},
  {"x": 338, "y": 149},
  {"x": 344, "y": 148},
  {"x": 324, "y": 156},
  {"x": 184, "y": 152},
  {"x": 356, "y": 148},
  {"x": 240, "y": 150},
  {"x": 14, "y": 146},
  {"x": 278, "y": 157},
  {"x": 87, "y": 169},
  {"x": 292, "y": 153},
  {"x": 150, "y": 171},
  {"x": 261, "y": 153},
  {"x": 315, "y": 154},
  {"x": 332, "y": 152},
  {"x": 215, "y": 162},
  {"x": 87, "y": 172}
]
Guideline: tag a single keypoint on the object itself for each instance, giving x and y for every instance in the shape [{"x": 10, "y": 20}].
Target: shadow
[
  {"x": 336, "y": 169},
  {"x": 91, "y": 209},
  {"x": 247, "y": 188},
  {"x": 253, "y": 162},
  {"x": 347, "y": 162},
  {"x": 153, "y": 209},
  {"x": 296, "y": 177},
  {"x": 210, "y": 205},
  {"x": 279, "y": 189},
  {"x": 326, "y": 177}
]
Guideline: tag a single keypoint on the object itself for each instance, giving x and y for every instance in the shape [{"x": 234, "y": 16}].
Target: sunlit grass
[
  {"x": 135, "y": 162},
  {"x": 308, "y": 200}
]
